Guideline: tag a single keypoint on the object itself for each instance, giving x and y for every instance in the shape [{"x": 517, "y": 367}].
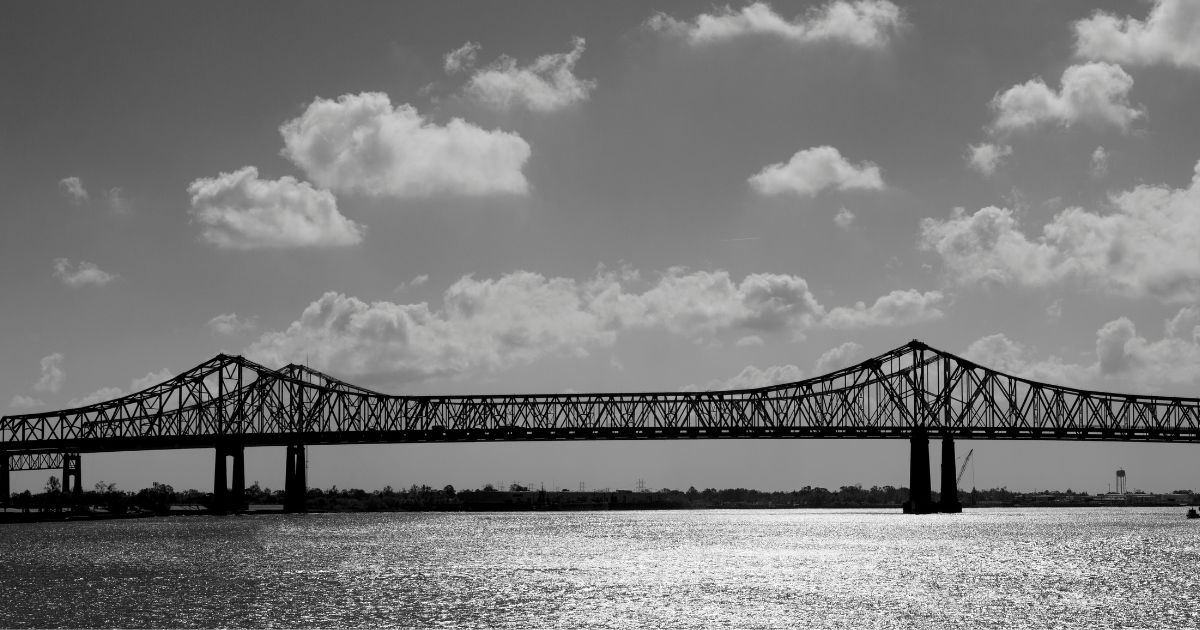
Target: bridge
[{"x": 914, "y": 392}]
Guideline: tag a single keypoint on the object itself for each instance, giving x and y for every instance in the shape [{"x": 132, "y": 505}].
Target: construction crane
[{"x": 962, "y": 470}]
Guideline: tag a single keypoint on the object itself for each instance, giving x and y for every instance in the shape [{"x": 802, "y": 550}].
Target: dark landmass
[{"x": 106, "y": 501}]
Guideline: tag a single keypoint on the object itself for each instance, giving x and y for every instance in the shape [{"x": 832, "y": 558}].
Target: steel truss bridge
[{"x": 914, "y": 392}]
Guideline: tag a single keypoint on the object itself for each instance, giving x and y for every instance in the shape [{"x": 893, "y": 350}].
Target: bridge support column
[
  {"x": 72, "y": 479},
  {"x": 5, "y": 490},
  {"x": 948, "y": 503},
  {"x": 237, "y": 498},
  {"x": 295, "y": 484},
  {"x": 919, "y": 501},
  {"x": 220, "y": 483}
]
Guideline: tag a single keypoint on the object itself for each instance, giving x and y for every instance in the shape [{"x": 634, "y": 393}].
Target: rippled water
[{"x": 1073, "y": 568}]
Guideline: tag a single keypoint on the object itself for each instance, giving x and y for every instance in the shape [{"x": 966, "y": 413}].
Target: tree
[
  {"x": 53, "y": 486},
  {"x": 448, "y": 491}
]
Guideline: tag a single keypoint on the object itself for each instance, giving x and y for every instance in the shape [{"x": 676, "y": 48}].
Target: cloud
[
  {"x": 515, "y": 319},
  {"x": 25, "y": 402},
  {"x": 844, "y": 218},
  {"x": 1146, "y": 247},
  {"x": 461, "y": 58},
  {"x": 150, "y": 379},
  {"x": 1095, "y": 93},
  {"x": 998, "y": 352},
  {"x": 837, "y": 358},
  {"x": 117, "y": 202},
  {"x": 103, "y": 394},
  {"x": 359, "y": 143},
  {"x": 73, "y": 188},
  {"x": 898, "y": 308},
  {"x": 1099, "y": 163},
  {"x": 864, "y": 23},
  {"x": 810, "y": 171},
  {"x": 752, "y": 377},
  {"x": 1055, "y": 310},
  {"x": 548, "y": 84},
  {"x": 231, "y": 324},
  {"x": 240, "y": 211},
  {"x": 52, "y": 374},
  {"x": 84, "y": 274},
  {"x": 986, "y": 157},
  {"x": 1170, "y": 34}
]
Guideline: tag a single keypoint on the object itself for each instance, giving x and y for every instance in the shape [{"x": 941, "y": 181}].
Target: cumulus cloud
[
  {"x": 118, "y": 202},
  {"x": 864, "y": 23},
  {"x": 1095, "y": 93},
  {"x": 1170, "y": 34},
  {"x": 810, "y": 171},
  {"x": 986, "y": 157},
  {"x": 844, "y": 218},
  {"x": 25, "y": 402},
  {"x": 84, "y": 274},
  {"x": 898, "y": 308},
  {"x": 998, "y": 352},
  {"x": 1146, "y": 247},
  {"x": 546, "y": 85},
  {"x": 515, "y": 319},
  {"x": 231, "y": 324},
  {"x": 240, "y": 211},
  {"x": 52, "y": 374},
  {"x": 838, "y": 357},
  {"x": 150, "y": 379},
  {"x": 73, "y": 188},
  {"x": 461, "y": 58},
  {"x": 1099, "y": 163},
  {"x": 100, "y": 395},
  {"x": 360, "y": 143},
  {"x": 752, "y": 377}
]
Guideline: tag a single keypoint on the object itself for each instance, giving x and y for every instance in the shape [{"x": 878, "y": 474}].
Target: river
[{"x": 993, "y": 568}]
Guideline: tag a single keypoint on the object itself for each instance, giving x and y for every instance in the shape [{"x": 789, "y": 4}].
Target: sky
[{"x": 536, "y": 197}]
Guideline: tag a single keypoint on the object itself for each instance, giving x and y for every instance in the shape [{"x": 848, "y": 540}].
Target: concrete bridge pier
[
  {"x": 948, "y": 503},
  {"x": 295, "y": 486},
  {"x": 72, "y": 478},
  {"x": 225, "y": 497},
  {"x": 919, "y": 500},
  {"x": 5, "y": 489}
]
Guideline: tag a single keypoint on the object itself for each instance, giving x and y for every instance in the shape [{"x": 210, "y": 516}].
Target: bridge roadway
[{"x": 914, "y": 392}]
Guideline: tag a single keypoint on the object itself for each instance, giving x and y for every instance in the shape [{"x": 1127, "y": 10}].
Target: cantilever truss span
[{"x": 914, "y": 389}]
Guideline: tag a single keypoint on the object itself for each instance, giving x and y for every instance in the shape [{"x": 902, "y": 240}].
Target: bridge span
[{"x": 913, "y": 392}]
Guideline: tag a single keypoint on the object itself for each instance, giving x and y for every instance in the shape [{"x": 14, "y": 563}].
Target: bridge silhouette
[{"x": 913, "y": 392}]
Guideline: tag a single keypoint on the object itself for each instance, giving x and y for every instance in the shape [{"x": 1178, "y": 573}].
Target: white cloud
[
  {"x": 117, "y": 202},
  {"x": 1096, "y": 93},
  {"x": 1055, "y": 310},
  {"x": 1170, "y": 34},
  {"x": 1145, "y": 247},
  {"x": 844, "y": 218},
  {"x": 150, "y": 379},
  {"x": 810, "y": 171},
  {"x": 73, "y": 188},
  {"x": 998, "y": 352},
  {"x": 838, "y": 357},
  {"x": 84, "y": 274},
  {"x": 749, "y": 341},
  {"x": 546, "y": 85},
  {"x": 1099, "y": 163},
  {"x": 518, "y": 318},
  {"x": 865, "y": 23},
  {"x": 240, "y": 211},
  {"x": 986, "y": 157},
  {"x": 25, "y": 402},
  {"x": 752, "y": 377},
  {"x": 103, "y": 394},
  {"x": 359, "y": 143},
  {"x": 461, "y": 58},
  {"x": 898, "y": 308},
  {"x": 52, "y": 374},
  {"x": 231, "y": 324}
]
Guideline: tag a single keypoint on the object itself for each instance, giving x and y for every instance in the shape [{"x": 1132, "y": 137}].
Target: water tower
[{"x": 1120, "y": 481}]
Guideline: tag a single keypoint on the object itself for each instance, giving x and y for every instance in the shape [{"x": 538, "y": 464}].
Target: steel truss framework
[{"x": 912, "y": 390}]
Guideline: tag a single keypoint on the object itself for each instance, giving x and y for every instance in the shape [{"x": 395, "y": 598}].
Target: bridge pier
[
  {"x": 225, "y": 497},
  {"x": 5, "y": 489},
  {"x": 295, "y": 486},
  {"x": 948, "y": 503},
  {"x": 72, "y": 478},
  {"x": 919, "y": 501}
]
